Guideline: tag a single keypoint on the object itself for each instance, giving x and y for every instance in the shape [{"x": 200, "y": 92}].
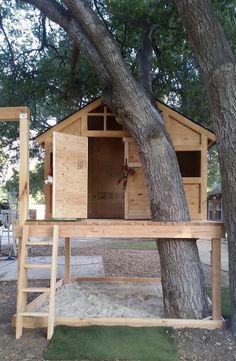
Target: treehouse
[{"x": 88, "y": 156}]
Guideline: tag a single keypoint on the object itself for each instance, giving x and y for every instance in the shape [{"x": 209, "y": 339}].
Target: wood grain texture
[{"x": 70, "y": 169}]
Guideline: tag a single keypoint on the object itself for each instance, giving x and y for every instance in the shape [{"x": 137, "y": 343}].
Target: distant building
[{"x": 214, "y": 204}]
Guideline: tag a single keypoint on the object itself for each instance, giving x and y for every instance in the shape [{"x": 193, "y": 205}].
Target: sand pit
[{"x": 99, "y": 299}]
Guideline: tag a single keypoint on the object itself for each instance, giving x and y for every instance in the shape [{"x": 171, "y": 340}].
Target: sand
[{"x": 96, "y": 299}]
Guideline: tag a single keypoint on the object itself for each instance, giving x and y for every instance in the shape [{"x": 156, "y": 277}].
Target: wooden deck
[{"x": 128, "y": 229}]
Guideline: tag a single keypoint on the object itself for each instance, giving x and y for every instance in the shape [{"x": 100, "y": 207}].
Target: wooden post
[
  {"x": 47, "y": 187},
  {"x": 216, "y": 278},
  {"x": 24, "y": 167},
  {"x": 67, "y": 271}
]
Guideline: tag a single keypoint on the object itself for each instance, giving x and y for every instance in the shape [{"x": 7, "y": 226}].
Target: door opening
[{"x": 105, "y": 160}]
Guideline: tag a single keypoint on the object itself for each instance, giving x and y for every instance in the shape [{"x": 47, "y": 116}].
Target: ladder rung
[
  {"x": 36, "y": 289},
  {"x": 38, "y": 266},
  {"x": 43, "y": 243},
  {"x": 34, "y": 314}
]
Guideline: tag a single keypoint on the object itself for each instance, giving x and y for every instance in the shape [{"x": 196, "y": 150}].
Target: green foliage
[
  {"x": 36, "y": 183},
  {"x": 213, "y": 168},
  {"x": 36, "y": 59}
]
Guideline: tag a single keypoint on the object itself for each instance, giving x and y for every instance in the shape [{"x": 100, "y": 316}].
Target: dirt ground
[{"x": 193, "y": 345}]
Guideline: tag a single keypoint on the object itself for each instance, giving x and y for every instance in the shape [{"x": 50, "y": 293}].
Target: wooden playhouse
[{"x": 85, "y": 152}]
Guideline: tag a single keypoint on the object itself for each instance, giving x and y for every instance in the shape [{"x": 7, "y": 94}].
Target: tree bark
[
  {"x": 218, "y": 67},
  {"x": 182, "y": 278}
]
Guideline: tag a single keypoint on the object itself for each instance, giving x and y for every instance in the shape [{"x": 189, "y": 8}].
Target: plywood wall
[{"x": 136, "y": 196}]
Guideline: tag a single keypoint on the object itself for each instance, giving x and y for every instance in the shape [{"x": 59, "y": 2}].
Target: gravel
[{"x": 192, "y": 344}]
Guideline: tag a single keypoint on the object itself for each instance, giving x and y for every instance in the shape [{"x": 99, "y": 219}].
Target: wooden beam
[
  {"x": 41, "y": 322},
  {"x": 67, "y": 272},
  {"x": 122, "y": 280},
  {"x": 13, "y": 113},
  {"x": 48, "y": 186},
  {"x": 24, "y": 168},
  {"x": 203, "y": 194},
  {"x": 127, "y": 229},
  {"x": 216, "y": 279}
]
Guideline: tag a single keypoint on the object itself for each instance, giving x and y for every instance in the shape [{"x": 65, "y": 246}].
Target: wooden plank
[
  {"x": 127, "y": 229},
  {"x": 13, "y": 113},
  {"x": 52, "y": 294},
  {"x": 188, "y": 147},
  {"x": 21, "y": 282},
  {"x": 40, "y": 300},
  {"x": 47, "y": 171},
  {"x": 41, "y": 322},
  {"x": 106, "y": 133},
  {"x": 137, "y": 195},
  {"x": 24, "y": 168},
  {"x": 67, "y": 271},
  {"x": 70, "y": 167},
  {"x": 203, "y": 195},
  {"x": 185, "y": 121},
  {"x": 193, "y": 195},
  {"x": 122, "y": 280},
  {"x": 181, "y": 133},
  {"x": 192, "y": 180},
  {"x": 216, "y": 279}
]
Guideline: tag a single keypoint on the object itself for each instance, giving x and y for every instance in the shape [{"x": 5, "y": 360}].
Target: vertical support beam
[
  {"x": 21, "y": 299},
  {"x": 52, "y": 295},
  {"x": 24, "y": 167},
  {"x": 67, "y": 271},
  {"x": 203, "y": 191},
  {"x": 216, "y": 279},
  {"x": 126, "y": 156},
  {"x": 47, "y": 187}
]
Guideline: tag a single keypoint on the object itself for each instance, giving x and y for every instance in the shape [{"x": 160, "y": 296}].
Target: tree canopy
[{"x": 41, "y": 67}]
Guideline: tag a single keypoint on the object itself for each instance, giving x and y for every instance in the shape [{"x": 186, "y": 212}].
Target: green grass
[
  {"x": 112, "y": 343},
  {"x": 225, "y": 301}
]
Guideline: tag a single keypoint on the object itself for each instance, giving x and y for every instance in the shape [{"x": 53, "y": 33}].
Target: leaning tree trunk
[
  {"x": 182, "y": 279},
  {"x": 218, "y": 67}
]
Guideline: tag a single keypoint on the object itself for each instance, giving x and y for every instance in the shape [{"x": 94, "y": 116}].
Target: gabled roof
[{"x": 96, "y": 102}]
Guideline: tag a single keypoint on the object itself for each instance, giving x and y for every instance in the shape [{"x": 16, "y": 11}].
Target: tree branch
[
  {"x": 144, "y": 58},
  {"x": 60, "y": 15}
]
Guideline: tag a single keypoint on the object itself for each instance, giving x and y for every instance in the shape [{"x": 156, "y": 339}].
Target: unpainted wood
[
  {"x": 193, "y": 195},
  {"x": 52, "y": 294},
  {"x": 216, "y": 279},
  {"x": 47, "y": 186},
  {"x": 41, "y": 322},
  {"x": 74, "y": 128},
  {"x": 137, "y": 195},
  {"x": 24, "y": 168},
  {"x": 203, "y": 195},
  {"x": 67, "y": 272},
  {"x": 181, "y": 134},
  {"x": 13, "y": 113},
  {"x": 21, "y": 282},
  {"x": 70, "y": 169},
  {"x": 127, "y": 229}
]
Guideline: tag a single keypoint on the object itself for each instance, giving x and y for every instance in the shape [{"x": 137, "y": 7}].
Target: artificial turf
[{"x": 112, "y": 343}]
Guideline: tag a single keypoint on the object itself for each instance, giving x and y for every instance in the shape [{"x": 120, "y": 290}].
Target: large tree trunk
[
  {"x": 219, "y": 71},
  {"x": 182, "y": 279}
]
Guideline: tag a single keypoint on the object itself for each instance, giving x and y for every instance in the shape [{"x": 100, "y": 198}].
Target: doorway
[{"x": 105, "y": 160}]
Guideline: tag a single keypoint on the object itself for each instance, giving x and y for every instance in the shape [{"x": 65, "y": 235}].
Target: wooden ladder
[{"x": 22, "y": 285}]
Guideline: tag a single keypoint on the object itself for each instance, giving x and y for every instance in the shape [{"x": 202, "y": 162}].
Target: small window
[
  {"x": 189, "y": 163},
  {"x": 112, "y": 123},
  {"x": 95, "y": 122}
]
